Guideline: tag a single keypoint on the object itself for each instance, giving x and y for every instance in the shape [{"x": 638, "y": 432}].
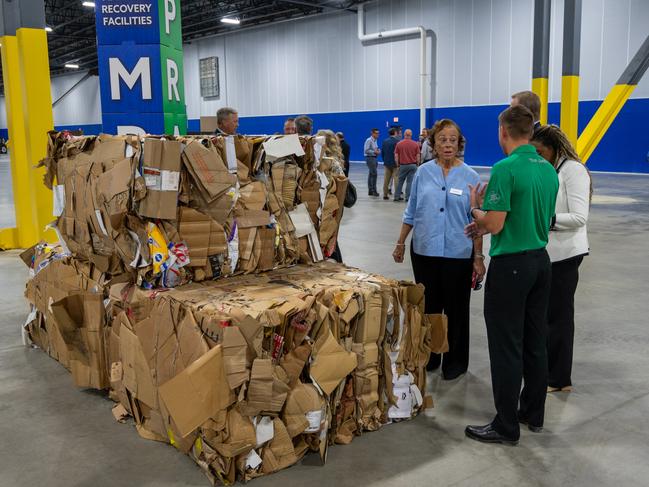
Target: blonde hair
[{"x": 332, "y": 145}]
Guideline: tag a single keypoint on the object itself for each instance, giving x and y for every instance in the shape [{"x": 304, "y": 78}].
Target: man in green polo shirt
[{"x": 516, "y": 208}]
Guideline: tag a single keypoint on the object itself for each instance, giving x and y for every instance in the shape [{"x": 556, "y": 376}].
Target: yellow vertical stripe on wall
[
  {"x": 540, "y": 87},
  {"x": 38, "y": 118},
  {"x": 570, "y": 107},
  {"x": 602, "y": 120}
]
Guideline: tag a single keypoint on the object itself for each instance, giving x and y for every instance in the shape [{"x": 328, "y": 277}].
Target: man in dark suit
[{"x": 346, "y": 150}]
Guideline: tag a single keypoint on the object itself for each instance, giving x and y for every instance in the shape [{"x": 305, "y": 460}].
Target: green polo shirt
[{"x": 525, "y": 186}]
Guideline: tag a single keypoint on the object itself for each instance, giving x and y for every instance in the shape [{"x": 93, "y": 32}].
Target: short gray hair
[
  {"x": 224, "y": 113},
  {"x": 304, "y": 125}
]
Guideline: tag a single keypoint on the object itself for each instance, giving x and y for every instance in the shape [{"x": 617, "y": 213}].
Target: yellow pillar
[
  {"x": 540, "y": 87},
  {"x": 38, "y": 120},
  {"x": 570, "y": 107},
  {"x": 25, "y": 230}
]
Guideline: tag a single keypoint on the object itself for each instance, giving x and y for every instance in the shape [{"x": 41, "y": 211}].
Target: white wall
[{"x": 483, "y": 53}]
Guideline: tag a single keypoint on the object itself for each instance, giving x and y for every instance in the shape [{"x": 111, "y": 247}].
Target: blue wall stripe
[{"x": 624, "y": 148}]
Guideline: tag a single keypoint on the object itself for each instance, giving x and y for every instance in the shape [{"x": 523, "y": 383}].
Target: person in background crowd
[
  {"x": 532, "y": 102},
  {"x": 227, "y": 121},
  {"x": 443, "y": 259},
  {"x": 423, "y": 136},
  {"x": 406, "y": 155},
  {"x": 567, "y": 246},
  {"x": 427, "y": 147},
  {"x": 289, "y": 126},
  {"x": 390, "y": 169},
  {"x": 346, "y": 149},
  {"x": 371, "y": 151},
  {"x": 332, "y": 154},
  {"x": 303, "y": 125},
  {"x": 517, "y": 210}
]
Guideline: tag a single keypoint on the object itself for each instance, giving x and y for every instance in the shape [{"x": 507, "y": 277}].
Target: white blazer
[{"x": 569, "y": 237}]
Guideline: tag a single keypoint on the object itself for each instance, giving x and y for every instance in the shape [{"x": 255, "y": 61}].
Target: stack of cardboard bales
[{"x": 246, "y": 374}]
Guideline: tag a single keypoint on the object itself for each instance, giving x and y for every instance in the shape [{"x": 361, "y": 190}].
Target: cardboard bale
[{"x": 245, "y": 374}]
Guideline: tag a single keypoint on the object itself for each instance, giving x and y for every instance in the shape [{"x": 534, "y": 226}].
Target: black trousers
[
  {"x": 561, "y": 321},
  {"x": 448, "y": 290},
  {"x": 515, "y": 310}
]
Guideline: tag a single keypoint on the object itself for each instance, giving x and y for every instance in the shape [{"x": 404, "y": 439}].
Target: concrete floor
[{"x": 53, "y": 434}]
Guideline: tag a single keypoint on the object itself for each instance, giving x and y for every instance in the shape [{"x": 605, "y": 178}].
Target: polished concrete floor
[{"x": 53, "y": 434}]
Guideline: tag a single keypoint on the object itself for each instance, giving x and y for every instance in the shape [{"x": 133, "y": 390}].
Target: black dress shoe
[
  {"x": 488, "y": 434},
  {"x": 531, "y": 427}
]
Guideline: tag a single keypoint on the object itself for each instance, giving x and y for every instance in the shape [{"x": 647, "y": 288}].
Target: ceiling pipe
[{"x": 386, "y": 34}]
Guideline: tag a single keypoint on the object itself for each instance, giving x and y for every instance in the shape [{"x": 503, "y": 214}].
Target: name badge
[{"x": 456, "y": 191}]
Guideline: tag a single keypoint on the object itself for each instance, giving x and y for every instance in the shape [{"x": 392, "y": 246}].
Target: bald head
[{"x": 408, "y": 134}]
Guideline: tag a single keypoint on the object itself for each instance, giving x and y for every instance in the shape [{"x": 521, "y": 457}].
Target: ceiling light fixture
[
  {"x": 71, "y": 66},
  {"x": 89, "y": 4},
  {"x": 48, "y": 29},
  {"x": 228, "y": 20}
]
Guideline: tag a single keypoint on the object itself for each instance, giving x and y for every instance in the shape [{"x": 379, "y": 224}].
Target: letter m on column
[{"x": 141, "y": 71}]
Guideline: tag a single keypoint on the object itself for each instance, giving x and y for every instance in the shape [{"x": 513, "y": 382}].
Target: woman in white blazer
[{"x": 567, "y": 246}]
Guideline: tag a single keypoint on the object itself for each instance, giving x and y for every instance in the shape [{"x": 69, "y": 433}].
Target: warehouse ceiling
[{"x": 72, "y": 39}]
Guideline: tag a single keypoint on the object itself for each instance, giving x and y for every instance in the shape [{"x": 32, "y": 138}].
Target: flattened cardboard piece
[
  {"x": 268, "y": 387},
  {"x": 368, "y": 329},
  {"x": 252, "y": 330},
  {"x": 438, "y": 325},
  {"x": 252, "y": 218},
  {"x": 265, "y": 249},
  {"x": 304, "y": 410},
  {"x": 113, "y": 187},
  {"x": 79, "y": 317},
  {"x": 235, "y": 350},
  {"x": 294, "y": 361},
  {"x": 253, "y": 196},
  {"x": 191, "y": 342},
  {"x": 161, "y": 170},
  {"x": 137, "y": 374},
  {"x": 210, "y": 173},
  {"x": 368, "y": 354},
  {"x": 239, "y": 435},
  {"x": 203, "y": 235},
  {"x": 280, "y": 453},
  {"x": 332, "y": 363},
  {"x": 198, "y": 393}
]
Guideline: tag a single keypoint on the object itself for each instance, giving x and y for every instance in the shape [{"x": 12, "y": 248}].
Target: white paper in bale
[
  {"x": 231, "y": 154},
  {"x": 315, "y": 420},
  {"x": 253, "y": 460},
  {"x": 264, "y": 429},
  {"x": 279, "y": 147}
]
